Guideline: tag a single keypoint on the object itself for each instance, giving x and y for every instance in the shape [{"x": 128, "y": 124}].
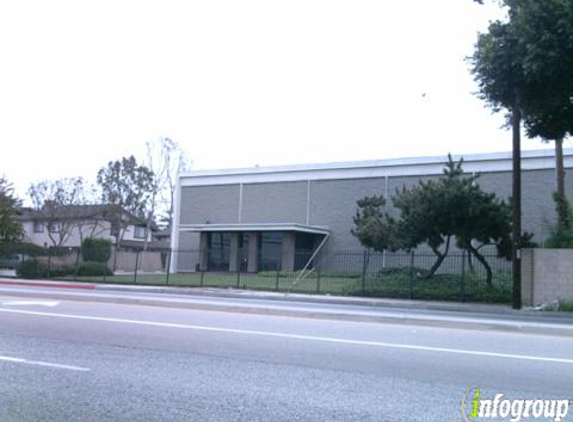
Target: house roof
[
  {"x": 76, "y": 212},
  {"x": 163, "y": 233}
]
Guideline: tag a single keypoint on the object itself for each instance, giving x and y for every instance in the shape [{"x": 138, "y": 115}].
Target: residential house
[{"x": 68, "y": 226}]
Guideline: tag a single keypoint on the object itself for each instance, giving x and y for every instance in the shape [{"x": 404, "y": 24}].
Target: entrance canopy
[
  {"x": 257, "y": 247},
  {"x": 282, "y": 227}
]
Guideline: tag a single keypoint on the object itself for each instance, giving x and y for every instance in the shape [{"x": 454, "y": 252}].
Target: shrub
[
  {"x": 565, "y": 306},
  {"x": 96, "y": 250},
  {"x": 562, "y": 232},
  {"x": 62, "y": 271},
  {"x": 32, "y": 269},
  {"x": 94, "y": 269},
  {"x": 23, "y": 248}
]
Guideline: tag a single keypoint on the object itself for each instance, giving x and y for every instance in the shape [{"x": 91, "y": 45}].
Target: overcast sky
[{"x": 238, "y": 83}]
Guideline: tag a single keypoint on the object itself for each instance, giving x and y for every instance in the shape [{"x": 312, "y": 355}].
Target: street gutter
[{"x": 303, "y": 306}]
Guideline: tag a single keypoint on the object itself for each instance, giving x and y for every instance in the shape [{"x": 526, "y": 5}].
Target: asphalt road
[{"x": 82, "y": 361}]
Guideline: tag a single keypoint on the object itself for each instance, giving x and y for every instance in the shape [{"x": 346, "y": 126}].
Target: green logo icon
[{"x": 475, "y": 407}]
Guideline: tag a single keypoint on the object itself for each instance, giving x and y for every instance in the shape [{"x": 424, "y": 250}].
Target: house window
[
  {"x": 53, "y": 227},
  {"x": 38, "y": 227},
  {"x": 114, "y": 229},
  {"x": 140, "y": 232}
]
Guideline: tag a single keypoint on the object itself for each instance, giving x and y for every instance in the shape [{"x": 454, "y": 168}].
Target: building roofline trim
[{"x": 412, "y": 166}]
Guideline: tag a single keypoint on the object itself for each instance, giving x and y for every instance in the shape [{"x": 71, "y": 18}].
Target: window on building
[
  {"x": 270, "y": 249},
  {"x": 140, "y": 232},
  {"x": 243, "y": 252},
  {"x": 304, "y": 248},
  {"x": 219, "y": 251},
  {"x": 38, "y": 227},
  {"x": 114, "y": 229},
  {"x": 53, "y": 227}
]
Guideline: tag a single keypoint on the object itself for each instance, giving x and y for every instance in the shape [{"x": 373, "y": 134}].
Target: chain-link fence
[{"x": 460, "y": 277}]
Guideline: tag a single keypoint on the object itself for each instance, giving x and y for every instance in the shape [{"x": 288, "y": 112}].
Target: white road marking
[
  {"x": 298, "y": 337},
  {"x": 39, "y": 363},
  {"x": 30, "y": 303}
]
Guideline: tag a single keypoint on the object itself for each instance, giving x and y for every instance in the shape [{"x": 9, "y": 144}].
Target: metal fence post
[
  {"x": 463, "y": 276},
  {"x": 136, "y": 265},
  {"x": 411, "y": 275},
  {"x": 49, "y": 262},
  {"x": 238, "y": 279},
  {"x": 168, "y": 263},
  {"x": 364, "y": 273},
  {"x": 277, "y": 280},
  {"x": 77, "y": 264},
  {"x": 318, "y": 282},
  {"x": 202, "y": 275}
]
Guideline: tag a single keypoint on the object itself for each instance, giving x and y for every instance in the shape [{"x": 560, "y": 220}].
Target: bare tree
[
  {"x": 58, "y": 204},
  {"x": 92, "y": 219},
  {"x": 166, "y": 159}
]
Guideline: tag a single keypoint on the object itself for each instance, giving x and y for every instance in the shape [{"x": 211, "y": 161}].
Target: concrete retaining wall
[
  {"x": 126, "y": 260},
  {"x": 547, "y": 275}
]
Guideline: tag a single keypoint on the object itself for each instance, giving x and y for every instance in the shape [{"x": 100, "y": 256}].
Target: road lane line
[
  {"x": 49, "y": 304},
  {"x": 40, "y": 363},
  {"x": 296, "y": 336}
]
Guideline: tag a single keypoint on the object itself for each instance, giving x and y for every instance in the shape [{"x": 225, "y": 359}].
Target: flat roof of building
[{"x": 393, "y": 167}]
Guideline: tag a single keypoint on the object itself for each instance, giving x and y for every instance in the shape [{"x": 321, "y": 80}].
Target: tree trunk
[
  {"x": 562, "y": 208},
  {"x": 441, "y": 257},
  {"x": 471, "y": 263},
  {"x": 483, "y": 261},
  {"x": 516, "y": 208},
  {"x": 559, "y": 171},
  {"x": 147, "y": 230}
]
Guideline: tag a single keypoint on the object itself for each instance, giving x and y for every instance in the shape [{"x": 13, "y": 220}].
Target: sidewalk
[
  {"x": 337, "y": 308},
  {"x": 276, "y": 296}
]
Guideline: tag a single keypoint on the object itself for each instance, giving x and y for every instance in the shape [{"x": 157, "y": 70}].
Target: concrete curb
[
  {"x": 54, "y": 284},
  {"x": 370, "y": 314},
  {"x": 274, "y": 296}
]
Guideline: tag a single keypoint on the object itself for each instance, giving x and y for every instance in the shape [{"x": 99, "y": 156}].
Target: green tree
[
  {"x": 10, "y": 227},
  {"x": 545, "y": 29},
  {"x": 525, "y": 66},
  {"x": 128, "y": 187},
  {"x": 435, "y": 213},
  {"x": 562, "y": 231},
  {"x": 96, "y": 250},
  {"x": 373, "y": 227}
]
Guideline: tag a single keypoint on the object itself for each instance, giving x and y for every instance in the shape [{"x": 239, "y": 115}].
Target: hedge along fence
[
  {"x": 66, "y": 262},
  {"x": 398, "y": 275},
  {"x": 96, "y": 250},
  {"x": 357, "y": 273}
]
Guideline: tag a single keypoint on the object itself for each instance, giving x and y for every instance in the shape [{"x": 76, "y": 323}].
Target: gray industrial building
[{"x": 257, "y": 219}]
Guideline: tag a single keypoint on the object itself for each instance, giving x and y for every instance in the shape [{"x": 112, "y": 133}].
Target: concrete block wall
[
  {"x": 325, "y": 195},
  {"x": 125, "y": 261},
  {"x": 332, "y": 203},
  {"x": 547, "y": 275}
]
